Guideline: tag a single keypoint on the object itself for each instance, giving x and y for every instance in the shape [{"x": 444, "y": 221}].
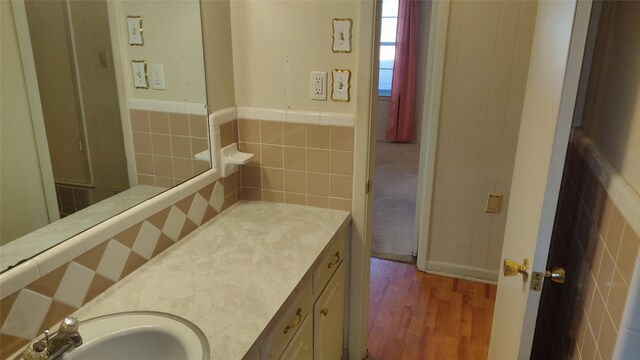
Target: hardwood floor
[{"x": 413, "y": 315}]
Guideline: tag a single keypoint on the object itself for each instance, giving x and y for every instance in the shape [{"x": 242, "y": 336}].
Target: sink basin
[{"x": 140, "y": 335}]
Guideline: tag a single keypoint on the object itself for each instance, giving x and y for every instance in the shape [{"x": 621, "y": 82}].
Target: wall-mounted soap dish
[{"x": 231, "y": 158}]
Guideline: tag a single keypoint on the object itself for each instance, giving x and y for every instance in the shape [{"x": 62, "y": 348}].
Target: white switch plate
[
  {"x": 342, "y": 35},
  {"x": 134, "y": 30},
  {"x": 139, "y": 74},
  {"x": 318, "y": 83},
  {"x": 156, "y": 76},
  {"x": 340, "y": 85}
]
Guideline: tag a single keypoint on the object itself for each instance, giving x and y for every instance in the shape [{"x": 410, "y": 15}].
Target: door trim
[{"x": 438, "y": 29}]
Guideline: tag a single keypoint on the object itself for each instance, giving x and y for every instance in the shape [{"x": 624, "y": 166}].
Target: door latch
[{"x": 557, "y": 275}]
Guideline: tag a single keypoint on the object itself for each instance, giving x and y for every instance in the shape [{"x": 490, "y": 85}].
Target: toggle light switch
[
  {"x": 139, "y": 69},
  {"x": 340, "y": 85}
]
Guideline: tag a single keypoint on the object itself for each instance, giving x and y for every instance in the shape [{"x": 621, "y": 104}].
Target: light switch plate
[
  {"x": 139, "y": 68},
  {"x": 342, "y": 35},
  {"x": 156, "y": 77},
  {"x": 340, "y": 85},
  {"x": 134, "y": 30},
  {"x": 318, "y": 85}
]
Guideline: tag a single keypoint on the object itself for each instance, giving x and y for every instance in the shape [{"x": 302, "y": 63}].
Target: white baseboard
[{"x": 461, "y": 272}]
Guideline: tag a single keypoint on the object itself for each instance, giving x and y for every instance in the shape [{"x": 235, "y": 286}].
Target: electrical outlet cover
[{"x": 318, "y": 85}]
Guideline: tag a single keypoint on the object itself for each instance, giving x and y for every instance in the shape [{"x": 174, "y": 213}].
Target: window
[{"x": 387, "y": 45}]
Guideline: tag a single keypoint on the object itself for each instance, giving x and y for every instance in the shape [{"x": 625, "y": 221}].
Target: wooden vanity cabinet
[{"x": 315, "y": 316}]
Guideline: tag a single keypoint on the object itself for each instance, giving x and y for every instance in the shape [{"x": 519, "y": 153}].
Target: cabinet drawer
[
  {"x": 301, "y": 347},
  {"x": 330, "y": 261},
  {"x": 288, "y": 324}
]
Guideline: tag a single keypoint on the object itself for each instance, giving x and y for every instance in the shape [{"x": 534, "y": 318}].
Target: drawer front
[
  {"x": 301, "y": 347},
  {"x": 331, "y": 259},
  {"x": 288, "y": 324}
]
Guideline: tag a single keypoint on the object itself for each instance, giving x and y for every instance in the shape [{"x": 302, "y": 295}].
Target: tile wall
[
  {"x": 165, "y": 145},
  {"x": 306, "y": 164},
  {"x": 594, "y": 238}
]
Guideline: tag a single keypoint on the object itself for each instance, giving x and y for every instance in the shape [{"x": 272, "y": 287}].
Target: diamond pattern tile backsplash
[{"x": 46, "y": 301}]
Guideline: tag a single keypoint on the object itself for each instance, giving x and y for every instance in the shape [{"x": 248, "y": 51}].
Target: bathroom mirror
[{"x": 80, "y": 141}]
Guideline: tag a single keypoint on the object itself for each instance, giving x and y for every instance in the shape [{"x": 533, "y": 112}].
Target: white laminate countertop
[{"x": 231, "y": 275}]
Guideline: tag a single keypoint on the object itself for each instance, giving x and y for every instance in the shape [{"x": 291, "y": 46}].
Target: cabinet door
[
  {"x": 301, "y": 346},
  {"x": 328, "y": 315}
]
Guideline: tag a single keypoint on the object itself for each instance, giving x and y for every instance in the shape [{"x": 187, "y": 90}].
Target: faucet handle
[{"x": 70, "y": 324}]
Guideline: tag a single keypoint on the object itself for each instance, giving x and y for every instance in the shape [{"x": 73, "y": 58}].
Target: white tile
[
  {"x": 113, "y": 260},
  {"x": 246, "y": 112},
  {"x": 197, "y": 209},
  {"x": 217, "y": 197},
  {"x": 18, "y": 277},
  {"x": 223, "y": 116},
  {"x": 26, "y": 315},
  {"x": 168, "y": 106},
  {"x": 60, "y": 255},
  {"x": 74, "y": 285},
  {"x": 146, "y": 240},
  {"x": 337, "y": 119},
  {"x": 303, "y": 117},
  {"x": 175, "y": 222},
  {"x": 270, "y": 114}
]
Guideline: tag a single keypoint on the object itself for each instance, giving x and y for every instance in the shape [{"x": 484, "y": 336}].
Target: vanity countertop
[{"x": 231, "y": 275}]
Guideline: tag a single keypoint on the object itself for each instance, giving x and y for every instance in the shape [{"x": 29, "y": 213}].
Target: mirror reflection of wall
[{"x": 79, "y": 142}]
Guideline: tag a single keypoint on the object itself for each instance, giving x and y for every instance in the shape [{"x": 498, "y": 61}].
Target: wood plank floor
[{"x": 413, "y": 315}]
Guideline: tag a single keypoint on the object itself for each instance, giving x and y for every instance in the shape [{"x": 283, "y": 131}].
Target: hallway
[{"x": 414, "y": 315}]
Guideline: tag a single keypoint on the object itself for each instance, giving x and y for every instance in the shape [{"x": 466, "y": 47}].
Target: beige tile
[
  {"x": 181, "y": 146},
  {"x": 271, "y": 132},
  {"x": 198, "y": 125},
  {"x": 318, "y": 136},
  {"x": 272, "y": 196},
  {"x": 230, "y": 184},
  {"x": 161, "y": 144},
  {"x": 607, "y": 266},
  {"x": 179, "y": 124},
  {"x": 48, "y": 284},
  {"x": 272, "y": 179},
  {"x": 628, "y": 252},
  {"x": 182, "y": 168},
  {"x": 595, "y": 315},
  {"x": 249, "y": 130},
  {"x": 340, "y": 204},
  {"x": 598, "y": 250},
  {"x": 166, "y": 182},
  {"x": 590, "y": 289},
  {"x": 6, "y": 304},
  {"x": 342, "y": 138},
  {"x": 251, "y": 193},
  {"x": 605, "y": 215},
  {"x": 252, "y": 148},
  {"x": 341, "y": 162},
  {"x": 200, "y": 166},
  {"x": 198, "y": 145},
  {"x": 144, "y": 164},
  {"x": 614, "y": 232},
  {"x": 251, "y": 176},
  {"x": 98, "y": 285},
  {"x": 159, "y": 122},
  {"x": 163, "y": 167},
  {"x": 589, "y": 348},
  {"x": 318, "y": 201},
  {"x": 142, "y": 142},
  {"x": 271, "y": 156},
  {"x": 10, "y": 345},
  {"x": 608, "y": 336},
  {"x": 617, "y": 298},
  {"x": 318, "y": 184},
  {"x": 318, "y": 160},
  {"x": 146, "y": 180},
  {"x": 295, "y": 158},
  {"x": 57, "y": 311},
  {"x": 295, "y": 181},
  {"x": 226, "y": 134},
  {"x": 341, "y": 186},
  {"x": 294, "y": 135},
  {"x": 139, "y": 120},
  {"x": 291, "y": 198},
  {"x": 234, "y": 127}
]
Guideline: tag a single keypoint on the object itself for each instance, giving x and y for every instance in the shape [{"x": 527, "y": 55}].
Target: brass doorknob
[
  {"x": 557, "y": 275},
  {"x": 512, "y": 268}
]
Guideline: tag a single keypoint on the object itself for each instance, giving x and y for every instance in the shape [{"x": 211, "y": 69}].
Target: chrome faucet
[{"x": 52, "y": 346}]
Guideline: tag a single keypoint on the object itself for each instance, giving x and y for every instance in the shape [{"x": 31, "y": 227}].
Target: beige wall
[
  {"x": 172, "y": 37},
  {"x": 277, "y": 43},
  {"x": 612, "y": 110},
  {"x": 21, "y": 190},
  {"x": 486, "y": 62}
]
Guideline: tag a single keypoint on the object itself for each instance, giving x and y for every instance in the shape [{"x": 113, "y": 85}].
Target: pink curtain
[{"x": 400, "y": 124}]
